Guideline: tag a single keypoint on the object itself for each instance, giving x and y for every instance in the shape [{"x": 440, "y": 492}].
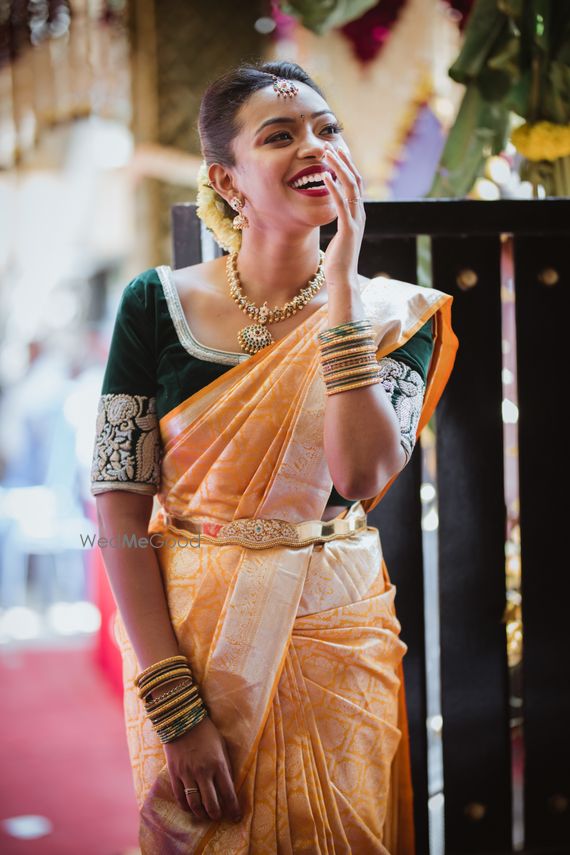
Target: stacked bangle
[
  {"x": 348, "y": 356},
  {"x": 176, "y": 711}
]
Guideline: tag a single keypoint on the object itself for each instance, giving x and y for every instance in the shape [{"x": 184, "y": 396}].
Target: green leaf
[
  {"x": 556, "y": 99},
  {"x": 322, "y": 15},
  {"x": 480, "y": 129},
  {"x": 484, "y": 27}
]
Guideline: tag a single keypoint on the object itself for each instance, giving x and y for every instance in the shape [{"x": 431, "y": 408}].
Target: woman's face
[{"x": 279, "y": 138}]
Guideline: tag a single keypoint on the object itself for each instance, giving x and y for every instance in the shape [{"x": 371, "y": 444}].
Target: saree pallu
[{"x": 296, "y": 649}]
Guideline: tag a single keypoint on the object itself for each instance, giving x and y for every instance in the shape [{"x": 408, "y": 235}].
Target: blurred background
[{"x": 98, "y": 139}]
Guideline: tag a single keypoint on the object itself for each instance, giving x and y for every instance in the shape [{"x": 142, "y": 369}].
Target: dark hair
[{"x": 217, "y": 120}]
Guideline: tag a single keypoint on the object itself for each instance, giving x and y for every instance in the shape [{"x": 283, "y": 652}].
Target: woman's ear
[{"x": 221, "y": 180}]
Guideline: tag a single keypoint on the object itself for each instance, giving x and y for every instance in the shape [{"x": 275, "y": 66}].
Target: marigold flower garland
[
  {"x": 216, "y": 214},
  {"x": 542, "y": 141}
]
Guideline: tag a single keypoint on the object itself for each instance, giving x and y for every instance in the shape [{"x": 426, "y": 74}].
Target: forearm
[
  {"x": 135, "y": 579},
  {"x": 361, "y": 429}
]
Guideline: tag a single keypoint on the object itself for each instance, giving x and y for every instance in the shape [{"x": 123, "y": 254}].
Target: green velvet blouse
[{"x": 155, "y": 363}]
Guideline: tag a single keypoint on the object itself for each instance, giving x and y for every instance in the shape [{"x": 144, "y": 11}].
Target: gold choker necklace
[{"x": 256, "y": 336}]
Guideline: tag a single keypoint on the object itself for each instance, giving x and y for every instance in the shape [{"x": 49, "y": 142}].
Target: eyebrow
[{"x": 279, "y": 120}]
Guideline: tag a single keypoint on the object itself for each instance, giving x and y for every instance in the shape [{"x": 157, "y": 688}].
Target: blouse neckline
[{"x": 185, "y": 335}]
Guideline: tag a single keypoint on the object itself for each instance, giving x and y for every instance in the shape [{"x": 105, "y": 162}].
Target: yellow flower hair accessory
[
  {"x": 542, "y": 141},
  {"x": 215, "y": 213}
]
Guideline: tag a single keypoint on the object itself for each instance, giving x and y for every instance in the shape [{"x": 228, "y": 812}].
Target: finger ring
[
  {"x": 191, "y": 789},
  {"x": 355, "y": 200}
]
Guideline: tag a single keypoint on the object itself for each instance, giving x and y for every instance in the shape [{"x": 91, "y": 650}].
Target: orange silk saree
[{"x": 296, "y": 649}]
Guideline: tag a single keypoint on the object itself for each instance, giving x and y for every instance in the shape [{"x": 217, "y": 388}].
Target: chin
[
  {"x": 324, "y": 218},
  {"x": 324, "y": 215},
  {"x": 328, "y": 218}
]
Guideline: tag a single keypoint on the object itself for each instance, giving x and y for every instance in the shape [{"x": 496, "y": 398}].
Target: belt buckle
[{"x": 257, "y": 530}]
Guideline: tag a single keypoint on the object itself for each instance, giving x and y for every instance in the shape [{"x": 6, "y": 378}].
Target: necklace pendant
[{"x": 254, "y": 338}]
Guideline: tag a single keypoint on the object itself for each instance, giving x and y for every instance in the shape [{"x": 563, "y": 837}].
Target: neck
[{"x": 274, "y": 267}]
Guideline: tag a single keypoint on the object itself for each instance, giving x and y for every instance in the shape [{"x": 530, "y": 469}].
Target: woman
[{"x": 267, "y": 445}]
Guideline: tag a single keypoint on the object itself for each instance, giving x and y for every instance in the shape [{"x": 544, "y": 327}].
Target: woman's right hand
[{"x": 199, "y": 758}]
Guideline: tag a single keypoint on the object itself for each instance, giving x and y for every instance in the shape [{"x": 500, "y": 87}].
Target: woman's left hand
[{"x": 341, "y": 256}]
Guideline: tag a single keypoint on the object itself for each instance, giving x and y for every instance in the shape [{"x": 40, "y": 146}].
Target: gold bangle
[
  {"x": 338, "y": 370},
  {"x": 182, "y": 722},
  {"x": 333, "y": 345},
  {"x": 345, "y": 329},
  {"x": 363, "y": 348},
  {"x": 157, "y": 672},
  {"x": 182, "y": 728},
  {"x": 352, "y": 386},
  {"x": 350, "y": 362},
  {"x": 350, "y": 375},
  {"x": 174, "y": 691},
  {"x": 187, "y": 681},
  {"x": 173, "y": 703},
  {"x": 151, "y": 668},
  {"x": 363, "y": 370},
  {"x": 159, "y": 707},
  {"x": 179, "y": 712},
  {"x": 347, "y": 341},
  {"x": 179, "y": 721},
  {"x": 164, "y": 678}
]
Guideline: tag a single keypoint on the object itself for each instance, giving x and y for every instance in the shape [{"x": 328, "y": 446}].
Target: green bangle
[{"x": 344, "y": 330}]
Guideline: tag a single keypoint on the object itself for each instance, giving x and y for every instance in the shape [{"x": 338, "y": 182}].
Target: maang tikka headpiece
[{"x": 284, "y": 87}]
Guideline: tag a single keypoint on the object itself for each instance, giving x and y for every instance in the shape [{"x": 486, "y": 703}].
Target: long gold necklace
[{"x": 256, "y": 336}]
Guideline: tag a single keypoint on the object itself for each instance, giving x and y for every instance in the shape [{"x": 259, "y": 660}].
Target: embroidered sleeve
[
  {"x": 127, "y": 447},
  {"x": 127, "y": 451},
  {"x": 406, "y": 389}
]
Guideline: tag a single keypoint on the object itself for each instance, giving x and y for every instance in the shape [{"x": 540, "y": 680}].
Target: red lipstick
[{"x": 307, "y": 189}]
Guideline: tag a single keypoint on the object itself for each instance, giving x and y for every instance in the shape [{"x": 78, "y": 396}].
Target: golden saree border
[{"x": 296, "y": 649}]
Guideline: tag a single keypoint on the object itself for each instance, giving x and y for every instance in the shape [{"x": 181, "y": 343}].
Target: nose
[{"x": 312, "y": 145}]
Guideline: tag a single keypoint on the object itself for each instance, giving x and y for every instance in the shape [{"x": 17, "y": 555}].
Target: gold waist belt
[{"x": 258, "y": 533}]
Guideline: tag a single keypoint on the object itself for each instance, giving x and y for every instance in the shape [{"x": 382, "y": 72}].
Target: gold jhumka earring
[{"x": 241, "y": 221}]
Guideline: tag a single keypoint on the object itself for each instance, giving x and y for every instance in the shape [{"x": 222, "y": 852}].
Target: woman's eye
[
  {"x": 333, "y": 128},
  {"x": 276, "y": 136},
  {"x": 336, "y": 129}
]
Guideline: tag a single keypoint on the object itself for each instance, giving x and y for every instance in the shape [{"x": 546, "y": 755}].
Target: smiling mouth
[{"x": 310, "y": 182}]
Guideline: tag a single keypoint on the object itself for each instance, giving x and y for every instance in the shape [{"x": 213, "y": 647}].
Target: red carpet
[{"x": 64, "y": 755}]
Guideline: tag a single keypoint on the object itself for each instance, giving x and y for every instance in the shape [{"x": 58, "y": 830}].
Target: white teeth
[{"x": 308, "y": 178}]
